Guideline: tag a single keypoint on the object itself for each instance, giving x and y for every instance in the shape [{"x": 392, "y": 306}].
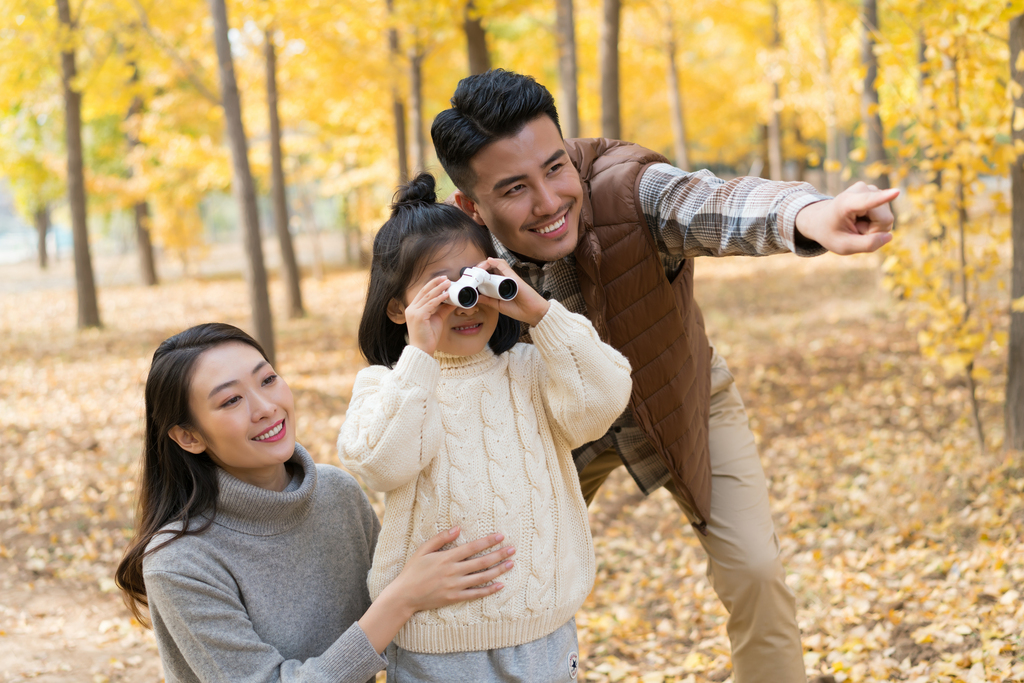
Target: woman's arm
[
  {"x": 214, "y": 639},
  {"x": 392, "y": 429}
]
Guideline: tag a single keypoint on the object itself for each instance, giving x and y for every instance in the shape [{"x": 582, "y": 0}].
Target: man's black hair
[{"x": 486, "y": 107}]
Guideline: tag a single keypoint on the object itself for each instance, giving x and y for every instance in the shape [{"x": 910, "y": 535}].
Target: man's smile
[
  {"x": 555, "y": 228},
  {"x": 551, "y": 228}
]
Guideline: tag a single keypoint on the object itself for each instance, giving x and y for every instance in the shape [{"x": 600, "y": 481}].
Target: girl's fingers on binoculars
[
  {"x": 499, "y": 266},
  {"x": 430, "y": 297},
  {"x": 432, "y": 290}
]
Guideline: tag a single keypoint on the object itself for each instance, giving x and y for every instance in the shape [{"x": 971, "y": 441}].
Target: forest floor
[{"x": 901, "y": 537}]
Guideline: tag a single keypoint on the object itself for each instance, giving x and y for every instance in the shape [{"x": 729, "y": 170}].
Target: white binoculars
[{"x": 465, "y": 291}]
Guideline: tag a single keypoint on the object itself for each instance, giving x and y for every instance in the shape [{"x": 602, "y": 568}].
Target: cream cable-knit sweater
[{"x": 484, "y": 442}]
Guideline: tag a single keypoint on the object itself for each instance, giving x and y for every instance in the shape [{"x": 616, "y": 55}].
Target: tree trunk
[
  {"x": 833, "y": 166},
  {"x": 88, "y": 307},
  {"x": 147, "y": 266},
  {"x": 241, "y": 182},
  {"x": 608, "y": 58},
  {"x": 398, "y": 113},
  {"x": 873, "y": 132},
  {"x": 675, "y": 99},
  {"x": 397, "y": 104},
  {"x": 143, "y": 241},
  {"x": 568, "y": 108},
  {"x": 419, "y": 140},
  {"x": 476, "y": 41},
  {"x": 801, "y": 160},
  {"x": 289, "y": 265},
  {"x": 309, "y": 211},
  {"x": 759, "y": 169},
  {"x": 1014, "y": 406},
  {"x": 42, "y": 221},
  {"x": 774, "y": 117}
]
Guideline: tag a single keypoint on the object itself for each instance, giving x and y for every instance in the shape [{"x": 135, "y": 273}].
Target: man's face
[{"x": 527, "y": 193}]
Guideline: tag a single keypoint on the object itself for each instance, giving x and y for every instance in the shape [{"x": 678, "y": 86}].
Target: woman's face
[
  {"x": 244, "y": 415},
  {"x": 464, "y": 331}
]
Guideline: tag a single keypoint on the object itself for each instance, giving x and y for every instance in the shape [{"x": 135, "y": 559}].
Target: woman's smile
[{"x": 275, "y": 432}]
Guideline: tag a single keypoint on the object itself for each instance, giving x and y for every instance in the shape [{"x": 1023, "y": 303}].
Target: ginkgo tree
[{"x": 946, "y": 268}]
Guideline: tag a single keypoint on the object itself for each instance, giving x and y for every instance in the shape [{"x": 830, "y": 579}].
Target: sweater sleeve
[
  {"x": 212, "y": 632},
  {"x": 585, "y": 383},
  {"x": 392, "y": 429}
]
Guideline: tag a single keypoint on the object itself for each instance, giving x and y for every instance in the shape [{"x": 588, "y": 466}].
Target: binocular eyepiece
[{"x": 466, "y": 291}]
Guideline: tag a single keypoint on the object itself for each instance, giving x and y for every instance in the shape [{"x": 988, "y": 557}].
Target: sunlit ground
[{"x": 901, "y": 537}]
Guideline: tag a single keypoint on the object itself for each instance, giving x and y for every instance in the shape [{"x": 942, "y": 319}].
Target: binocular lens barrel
[
  {"x": 467, "y": 297},
  {"x": 508, "y": 289}
]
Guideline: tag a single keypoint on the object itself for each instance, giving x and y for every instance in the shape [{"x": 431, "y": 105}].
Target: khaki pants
[{"x": 743, "y": 551}]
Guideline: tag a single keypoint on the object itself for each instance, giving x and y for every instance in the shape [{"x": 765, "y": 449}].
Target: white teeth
[
  {"x": 551, "y": 228},
  {"x": 467, "y": 327},
  {"x": 273, "y": 432}
]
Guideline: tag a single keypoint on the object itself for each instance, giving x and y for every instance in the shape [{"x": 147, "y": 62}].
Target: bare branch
[{"x": 189, "y": 69}]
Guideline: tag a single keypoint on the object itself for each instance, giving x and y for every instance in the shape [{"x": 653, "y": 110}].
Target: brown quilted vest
[{"x": 653, "y": 321}]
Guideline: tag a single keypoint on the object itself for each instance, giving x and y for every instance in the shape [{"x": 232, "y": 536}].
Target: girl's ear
[
  {"x": 396, "y": 312},
  {"x": 188, "y": 440}
]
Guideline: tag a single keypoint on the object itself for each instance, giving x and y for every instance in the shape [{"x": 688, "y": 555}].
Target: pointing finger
[{"x": 861, "y": 202}]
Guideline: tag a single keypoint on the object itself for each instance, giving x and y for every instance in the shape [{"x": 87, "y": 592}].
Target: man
[{"x": 610, "y": 230}]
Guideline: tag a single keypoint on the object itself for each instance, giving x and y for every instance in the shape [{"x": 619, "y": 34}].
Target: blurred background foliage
[{"x": 896, "y": 92}]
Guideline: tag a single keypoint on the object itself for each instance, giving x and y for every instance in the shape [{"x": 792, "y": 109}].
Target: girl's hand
[
  {"x": 528, "y": 306},
  {"x": 434, "y": 578},
  {"x": 425, "y": 314}
]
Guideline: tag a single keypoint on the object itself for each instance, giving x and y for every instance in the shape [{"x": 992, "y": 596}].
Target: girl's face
[
  {"x": 464, "y": 331},
  {"x": 244, "y": 415}
]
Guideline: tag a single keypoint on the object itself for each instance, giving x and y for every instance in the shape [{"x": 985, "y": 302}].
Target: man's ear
[
  {"x": 396, "y": 311},
  {"x": 188, "y": 440},
  {"x": 468, "y": 206}
]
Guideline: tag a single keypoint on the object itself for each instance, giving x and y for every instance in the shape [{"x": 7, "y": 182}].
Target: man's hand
[{"x": 858, "y": 220}]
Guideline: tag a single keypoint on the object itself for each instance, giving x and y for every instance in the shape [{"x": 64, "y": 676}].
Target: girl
[
  {"x": 460, "y": 424},
  {"x": 251, "y": 558}
]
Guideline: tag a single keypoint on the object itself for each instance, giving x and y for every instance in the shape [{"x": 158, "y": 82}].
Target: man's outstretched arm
[{"x": 699, "y": 214}]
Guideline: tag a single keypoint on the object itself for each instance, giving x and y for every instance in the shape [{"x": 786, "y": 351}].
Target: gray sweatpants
[{"x": 552, "y": 659}]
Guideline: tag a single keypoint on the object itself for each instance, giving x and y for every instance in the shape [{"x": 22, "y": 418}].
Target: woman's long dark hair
[
  {"x": 174, "y": 485},
  {"x": 418, "y": 229}
]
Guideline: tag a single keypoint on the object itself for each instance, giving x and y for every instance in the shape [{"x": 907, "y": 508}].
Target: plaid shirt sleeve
[{"x": 699, "y": 214}]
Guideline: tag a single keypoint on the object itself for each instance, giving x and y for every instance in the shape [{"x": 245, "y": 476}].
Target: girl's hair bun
[{"x": 419, "y": 190}]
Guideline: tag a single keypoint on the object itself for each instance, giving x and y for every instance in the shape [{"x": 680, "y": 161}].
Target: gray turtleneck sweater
[{"x": 273, "y": 589}]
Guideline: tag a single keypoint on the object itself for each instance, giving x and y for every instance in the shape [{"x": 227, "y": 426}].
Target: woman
[{"x": 251, "y": 558}]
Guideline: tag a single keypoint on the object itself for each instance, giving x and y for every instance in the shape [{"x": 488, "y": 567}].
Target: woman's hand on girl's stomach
[
  {"x": 528, "y": 306},
  {"x": 435, "y": 578},
  {"x": 425, "y": 314}
]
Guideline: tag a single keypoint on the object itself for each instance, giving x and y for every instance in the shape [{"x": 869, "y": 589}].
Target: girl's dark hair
[
  {"x": 174, "y": 485},
  {"x": 419, "y": 227}
]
